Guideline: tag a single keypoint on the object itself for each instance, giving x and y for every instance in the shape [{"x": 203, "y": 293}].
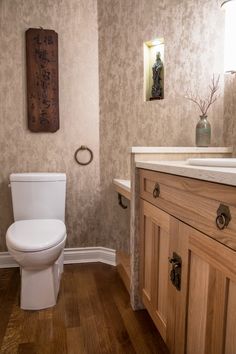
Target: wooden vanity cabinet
[{"x": 200, "y": 317}]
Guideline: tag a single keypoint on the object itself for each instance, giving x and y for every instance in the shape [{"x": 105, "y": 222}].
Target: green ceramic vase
[{"x": 203, "y": 132}]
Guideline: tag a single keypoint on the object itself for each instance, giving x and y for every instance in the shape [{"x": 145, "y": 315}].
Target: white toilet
[{"x": 37, "y": 238}]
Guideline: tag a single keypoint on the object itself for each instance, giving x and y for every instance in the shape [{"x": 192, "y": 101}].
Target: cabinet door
[
  {"x": 155, "y": 225},
  {"x": 204, "y": 320}
]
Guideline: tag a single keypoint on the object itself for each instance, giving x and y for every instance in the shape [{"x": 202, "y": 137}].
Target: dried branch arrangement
[{"x": 204, "y": 104}]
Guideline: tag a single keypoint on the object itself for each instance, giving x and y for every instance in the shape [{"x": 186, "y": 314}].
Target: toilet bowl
[
  {"x": 37, "y": 246},
  {"x": 37, "y": 238}
]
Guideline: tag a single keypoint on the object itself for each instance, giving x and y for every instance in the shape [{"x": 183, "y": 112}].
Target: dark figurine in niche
[{"x": 157, "y": 90}]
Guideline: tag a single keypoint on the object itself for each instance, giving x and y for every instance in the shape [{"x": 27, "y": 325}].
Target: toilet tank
[{"x": 38, "y": 195}]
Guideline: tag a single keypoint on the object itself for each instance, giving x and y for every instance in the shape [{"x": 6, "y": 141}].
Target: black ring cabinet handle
[
  {"x": 221, "y": 221},
  {"x": 156, "y": 191},
  {"x": 81, "y": 148},
  {"x": 223, "y": 217}
]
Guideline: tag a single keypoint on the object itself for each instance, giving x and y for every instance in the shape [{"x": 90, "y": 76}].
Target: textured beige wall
[
  {"x": 20, "y": 150},
  {"x": 193, "y": 33}
]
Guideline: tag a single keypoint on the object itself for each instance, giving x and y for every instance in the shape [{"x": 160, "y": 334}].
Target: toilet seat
[{"x": 35, "y": 235}]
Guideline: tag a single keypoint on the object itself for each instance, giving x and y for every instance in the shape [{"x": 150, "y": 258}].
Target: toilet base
[{"x": 39, "y": 288}]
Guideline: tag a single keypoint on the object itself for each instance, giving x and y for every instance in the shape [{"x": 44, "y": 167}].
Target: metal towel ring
[{"x": 83, "y": 147}]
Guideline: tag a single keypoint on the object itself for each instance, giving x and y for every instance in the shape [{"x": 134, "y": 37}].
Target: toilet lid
[{"x": 35, "y": 235}]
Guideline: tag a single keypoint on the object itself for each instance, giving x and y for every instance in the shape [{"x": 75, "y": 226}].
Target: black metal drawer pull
[{"x": 175, "y": 273}]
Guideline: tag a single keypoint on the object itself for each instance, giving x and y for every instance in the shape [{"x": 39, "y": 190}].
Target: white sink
[{"x": 214, "y": 162}]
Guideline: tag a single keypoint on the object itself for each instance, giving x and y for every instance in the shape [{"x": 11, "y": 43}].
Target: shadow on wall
[
  {"x": 5, "y": 193},
  {"x": 230, "y": 111}
]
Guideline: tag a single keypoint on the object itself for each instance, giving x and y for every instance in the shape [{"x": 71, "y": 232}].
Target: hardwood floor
[{"x": 92, "y": 316}]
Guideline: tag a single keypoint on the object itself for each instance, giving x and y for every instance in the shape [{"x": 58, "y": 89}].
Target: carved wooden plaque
[{"x": 42, "y": 80}]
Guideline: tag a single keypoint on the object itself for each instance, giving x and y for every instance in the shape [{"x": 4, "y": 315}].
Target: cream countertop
[
  {"x": 123, "y": 183},
  {"x": 222, "y": 175},
  {"x": 179, "y": 149}
]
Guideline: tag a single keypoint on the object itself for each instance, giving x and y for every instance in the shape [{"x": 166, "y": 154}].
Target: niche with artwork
[{"x": 154, "y": 70}]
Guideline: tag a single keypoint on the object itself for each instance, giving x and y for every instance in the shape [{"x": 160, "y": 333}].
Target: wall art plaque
[{"x": 42, "y": 80}]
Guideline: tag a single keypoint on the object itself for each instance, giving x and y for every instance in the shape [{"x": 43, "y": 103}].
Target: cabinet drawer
[{"x": 193, "y": 201}]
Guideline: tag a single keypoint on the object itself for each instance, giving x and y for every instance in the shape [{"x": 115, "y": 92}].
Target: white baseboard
[
  {"x": 90, "y": 254},
  {"x": 6, "y": 260},
  {"x": 72, "y": 255}
]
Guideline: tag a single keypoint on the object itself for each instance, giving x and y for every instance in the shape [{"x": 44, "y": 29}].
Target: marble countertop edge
[
  {"x": 178, "y": 149},
  {"x": 123, "y": 183},
  {"x": 222, "y": 175}
]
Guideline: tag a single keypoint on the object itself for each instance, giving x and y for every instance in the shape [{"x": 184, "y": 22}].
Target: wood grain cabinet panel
[
  {"x": 207, "y": 299},
  {"x": 192, "y": 201},
  {"x": 200, "y": 317},
  {"x": 154, "y": 275}
]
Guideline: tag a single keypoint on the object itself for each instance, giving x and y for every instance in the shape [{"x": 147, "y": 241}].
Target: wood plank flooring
[{"x": 92, "y": 316}]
